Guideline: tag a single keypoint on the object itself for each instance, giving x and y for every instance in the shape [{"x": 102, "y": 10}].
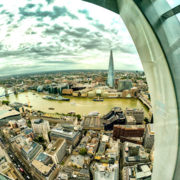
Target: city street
[{"x": 19, "y": 165}]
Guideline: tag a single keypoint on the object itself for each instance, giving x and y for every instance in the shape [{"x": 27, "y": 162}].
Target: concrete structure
[
  {"x": 40, "y": 126},
  {"x": 6, "y": 167},
  {"x": 138, "y": 114},
  {"x": 71, "y": 136},
  {"x": 71, "y": 120},
  {"x": 130, "y": 120},
  {"x": 155, "y": 31},
  {"x": 110, "y": 79},
  {"x": 138, "y": 172},
  {"x": 26, "y": 147},
  {"x": 134, "y": 154},
  {"x": 78, "y": 161},
  {"x": 57, "y": 150},
  {"x": 43, "y": 167},
  {"x": 93, "y": 122},
  {"x": 149, "y": 136},
  {"x": 124, "y": 85},
  {"x": 106, "y": 171}
]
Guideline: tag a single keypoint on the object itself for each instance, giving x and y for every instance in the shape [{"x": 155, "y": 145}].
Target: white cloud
[{"x": 33, "y": 33}]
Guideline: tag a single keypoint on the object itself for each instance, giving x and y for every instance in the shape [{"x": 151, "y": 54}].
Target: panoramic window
[{"x": 74, "y": 100}]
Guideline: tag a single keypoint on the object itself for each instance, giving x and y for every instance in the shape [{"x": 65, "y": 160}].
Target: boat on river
[
  {"x": 98, "y": 99},
  {"x": 59, "y": 98}
]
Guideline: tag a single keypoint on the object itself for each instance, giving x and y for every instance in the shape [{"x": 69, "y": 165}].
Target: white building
[
  {"x": 57, "y": 150},
  {"x": 40, "y": 126}
]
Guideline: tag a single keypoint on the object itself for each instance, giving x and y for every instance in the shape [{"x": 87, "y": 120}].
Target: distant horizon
[
  {"x": 56, "y": 71},
  {"x": 52, "y": 35}
]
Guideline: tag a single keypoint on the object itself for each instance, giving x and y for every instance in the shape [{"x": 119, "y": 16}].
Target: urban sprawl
[{"x": 54, "y": 146}]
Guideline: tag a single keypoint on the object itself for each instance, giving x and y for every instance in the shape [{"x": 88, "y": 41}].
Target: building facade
[{"x": 110, "y": 79}]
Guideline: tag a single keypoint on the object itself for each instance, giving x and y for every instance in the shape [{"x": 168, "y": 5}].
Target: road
[{"x": 19, "y": 165}]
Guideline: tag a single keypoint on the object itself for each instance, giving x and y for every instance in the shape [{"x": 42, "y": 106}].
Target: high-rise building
[
  {"x": 138, "y": 114},
  {"x": 149, "y": 136},
  {"x": 41, "y": 127},
  {"x": 124, "y": 85},
  {"x": 57, "y": 150},
  {"x": 110, "y": 80}
]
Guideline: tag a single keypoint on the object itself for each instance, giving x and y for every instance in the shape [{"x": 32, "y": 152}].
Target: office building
[
  {"x": 138, "y": 114},
  {"x": 57, "y": 150},
  {"x": 149, "y": 136},
  {"x": 26, "y": 148},
  {"x": 110, "y": 79},
  {"x": 71, "y": 136},
  {"x": 40, "y": 126},
  {"x": 124, "y": 85},
  {"x": 128, "y": 131},
  {"x": 134, "y": 154},
  {"x": 106, "y": 171},
  {"x": 130, "y": 120},
  {"x": 43, "y": 167},
  {"x": 138, "y": 172}
]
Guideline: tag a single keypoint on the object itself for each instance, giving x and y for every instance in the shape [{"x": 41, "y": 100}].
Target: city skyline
[
  {"x": 58, "y": 36},
  {"x": 51, "y": 35}
]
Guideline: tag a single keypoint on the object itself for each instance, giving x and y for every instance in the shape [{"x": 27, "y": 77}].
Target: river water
[{"x": 79, "y": 105}]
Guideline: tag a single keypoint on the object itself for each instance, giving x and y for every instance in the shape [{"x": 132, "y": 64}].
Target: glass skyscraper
[{"x": 110, "y": 80}]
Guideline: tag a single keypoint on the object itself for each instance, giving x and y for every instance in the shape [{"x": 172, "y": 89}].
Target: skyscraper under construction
[{"x": 110, "y": 79}]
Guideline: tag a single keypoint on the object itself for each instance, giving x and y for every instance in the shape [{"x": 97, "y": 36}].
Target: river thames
[{"x": 79, "y": 105}]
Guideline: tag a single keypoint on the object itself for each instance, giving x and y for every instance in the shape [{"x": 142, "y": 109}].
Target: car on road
[{"x": 21, "y": 169}]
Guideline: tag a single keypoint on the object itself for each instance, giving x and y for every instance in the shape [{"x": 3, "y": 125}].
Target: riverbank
[{"x": 80, "y": 105}]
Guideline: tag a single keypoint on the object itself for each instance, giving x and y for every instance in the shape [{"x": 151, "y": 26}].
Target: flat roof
[
  {"x": 4, "y": 177},
  {"x": 41, "y": 166},
  {"x": 130, "y": 126},
  {"x": 64, "y": 132},
  {"x": 55, "y": 147}
]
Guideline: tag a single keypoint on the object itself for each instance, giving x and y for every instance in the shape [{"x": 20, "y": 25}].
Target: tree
[
  {"x": 5, "y": 102},
  {"x": 83, "y": 151},
  {"x": 78, "y": 116},
  {"x": 40, "y": 139}
]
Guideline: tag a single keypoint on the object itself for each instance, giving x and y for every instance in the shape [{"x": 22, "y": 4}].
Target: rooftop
[
  {"x": 38, "y": 121},
  {"x": 4, "y": 177},
  {"x": 56, "y": 146},
  {"x": 106, "y": 172},
  {"x": 64, "y": 131},
  {"x": 150, "y": 128},
  {"x": 41, "y": 167},
  {"x": 6, "y": 111}
]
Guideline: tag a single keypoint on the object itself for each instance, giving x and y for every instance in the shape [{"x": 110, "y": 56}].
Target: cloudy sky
[{"x": 48, "y": 35}]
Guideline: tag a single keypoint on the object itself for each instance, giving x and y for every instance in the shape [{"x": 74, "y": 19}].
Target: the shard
[{"x": 110, "y": 80}]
